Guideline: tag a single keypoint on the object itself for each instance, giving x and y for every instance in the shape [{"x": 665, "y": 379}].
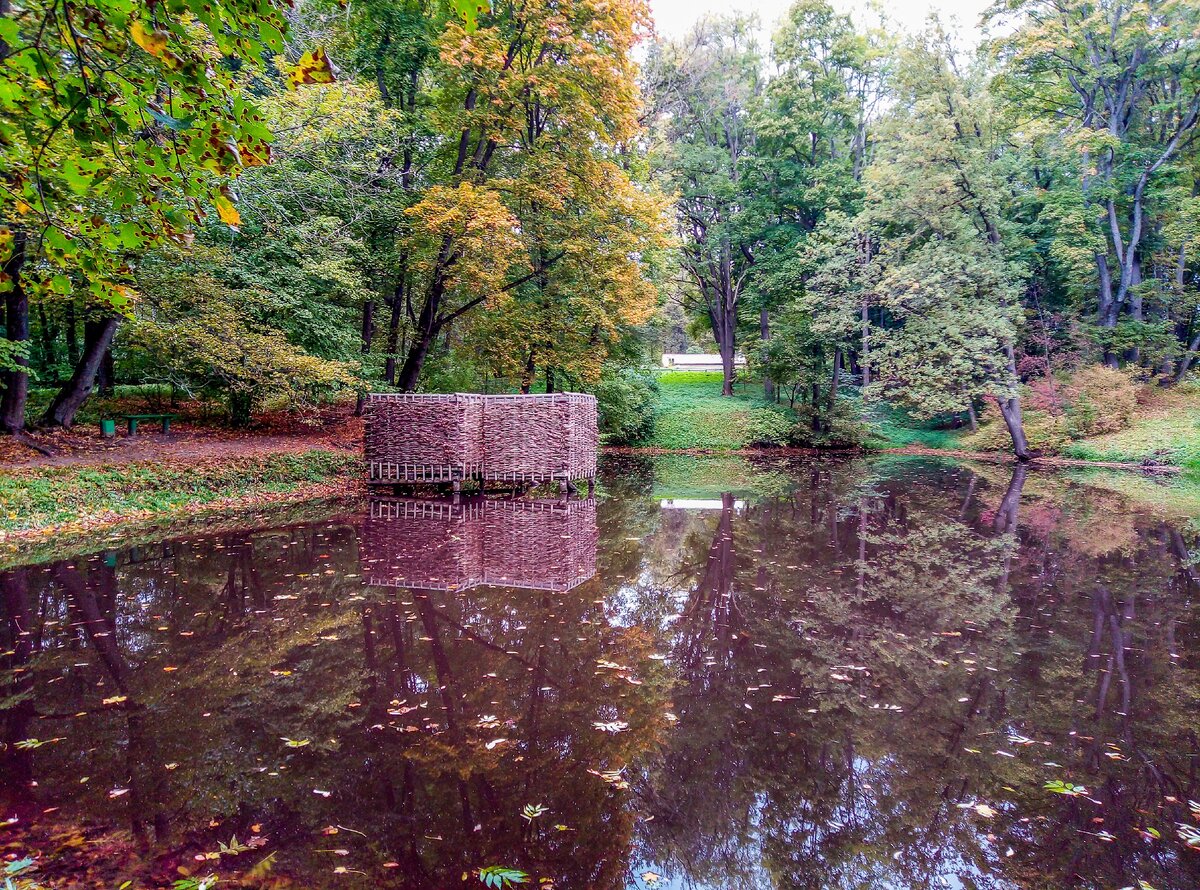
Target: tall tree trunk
[
  {"x": 527, "y": 374},
  {"x": 49, "y": 335},
  {"x": 1010, "y": 409},
  {"x": 549, "y": 379},
  {"x": 1185, "y": 363},
  {"x": 97, "y": 339},
  {"x": 764, "y": 332},
  {"x": 1108, "y": 307},
  {"x": 106, "y": 378},
  {"x": 833, "y": 388},
  {"x": 16, "y": 322},
  {"x": 393, "y": 337},
  {"x": 72, "y": 334},
  {"x": 864, "y": 358},
  {"x": 1135, "y": 304},
  {"x": 368, "y": 333},
  {"x": 726, "y": 369},
  {"x": 368, "y": 325}
]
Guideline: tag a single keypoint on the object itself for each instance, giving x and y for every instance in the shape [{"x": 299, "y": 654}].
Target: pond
[{"x": 718, "y": 674}]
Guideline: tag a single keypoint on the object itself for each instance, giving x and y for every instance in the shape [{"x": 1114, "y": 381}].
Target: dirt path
[{"x": 336, "y": 429}]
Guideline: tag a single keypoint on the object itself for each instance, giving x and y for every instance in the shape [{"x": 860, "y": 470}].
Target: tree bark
[
  {"x": 1010, "y": 409},
  {"x": 393, "y": 337},
  {"x": 368, "y": 333},
  {"x": 865, "y": 355},
  {"x": 72, "y": 334},
  {"x": 16, "y": 321},
  {"x": 1185, "y": 363},
  {"x": 833, "y": 388},
  {"x": 49, "y": 335},
  {"x": 97, "y": 339},
  {"x": 764, "y": 332},
  {"x": 106, "y": 378}
]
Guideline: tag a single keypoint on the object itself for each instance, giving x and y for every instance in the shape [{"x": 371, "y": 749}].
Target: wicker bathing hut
[
  {"x": 441, "y": 545},
  {"x": 448, "y": 438}
]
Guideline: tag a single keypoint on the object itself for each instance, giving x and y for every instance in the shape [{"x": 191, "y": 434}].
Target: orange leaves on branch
[{"x": 481, "y": 228}]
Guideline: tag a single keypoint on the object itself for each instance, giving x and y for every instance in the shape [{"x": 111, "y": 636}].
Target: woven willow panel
[{"x": 431, "y": 438}]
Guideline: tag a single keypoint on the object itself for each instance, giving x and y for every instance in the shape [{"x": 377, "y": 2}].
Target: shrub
[
  {"x": 846, "y": 428},
  {"x": 625, "y": 401},
  {"x": 769, "y": 427},
  {"x": 1099, "y": 400}
]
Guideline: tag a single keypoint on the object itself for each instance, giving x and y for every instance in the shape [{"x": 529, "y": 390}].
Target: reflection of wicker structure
[
  {"x": 435, "y": 438},
  {"x": 438, "y": 545}
]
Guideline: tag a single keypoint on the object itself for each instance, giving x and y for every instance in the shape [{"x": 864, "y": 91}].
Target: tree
[
  {"x": 119, "y": 133},
  {"x": 534, "y": 78},
  {"x": 813, "y": 143},
  {"x": 706, "y": 91},
  {"x": 198, "y": 334},
  {"x": 1118, "y": 87},
  {"x": 951, "y": 269}
]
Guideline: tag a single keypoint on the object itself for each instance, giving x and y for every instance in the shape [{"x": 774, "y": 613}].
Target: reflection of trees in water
[
  {"x": 980, "y": 605},
  {"x": 391, "y": 696},
  {"x": 927, "y": 587}
]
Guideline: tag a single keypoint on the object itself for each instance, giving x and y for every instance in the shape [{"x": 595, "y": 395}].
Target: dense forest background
[{"x": 258, "y": 205}]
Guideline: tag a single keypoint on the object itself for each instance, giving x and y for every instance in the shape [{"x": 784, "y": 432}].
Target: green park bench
[{"x": 134, "y": 419}]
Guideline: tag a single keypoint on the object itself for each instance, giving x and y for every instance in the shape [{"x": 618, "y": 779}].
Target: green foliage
[
  {"x": 626, "y": 403},
  {"x": 771, "y": 427},
  {"x": 199, "y": 334},
  {"x": 502, "y": 876},
  {"x": 119, "y": 133}
]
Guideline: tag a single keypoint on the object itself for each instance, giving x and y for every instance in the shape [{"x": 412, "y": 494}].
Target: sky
[{"x": 673, "y": 18}]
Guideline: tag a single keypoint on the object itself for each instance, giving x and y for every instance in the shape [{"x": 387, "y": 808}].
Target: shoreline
[
  {"x": 97, "y": 520},
  {"x": 912, "y": 450}
]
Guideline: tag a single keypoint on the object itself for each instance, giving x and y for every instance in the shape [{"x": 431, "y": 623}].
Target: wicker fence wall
[
  {"x": 431, "y": 438},
  {"x": 438, "y": 545}
]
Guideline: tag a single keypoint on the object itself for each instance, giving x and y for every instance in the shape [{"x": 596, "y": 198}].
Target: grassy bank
[
  {"x": 71, "y": 500},
  {"x": 690, "y": 413},
  {"x": 1151, "y": 425}
]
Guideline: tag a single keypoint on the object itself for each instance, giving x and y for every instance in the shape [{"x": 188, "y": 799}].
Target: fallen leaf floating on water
[
  {"x": 494, "y": 742},
  {"x": 117, "y": 792},
  {"x": 611, "y": 726},
  {"x": 296, "y": 743}
]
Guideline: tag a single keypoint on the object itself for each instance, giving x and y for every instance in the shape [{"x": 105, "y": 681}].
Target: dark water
[{"x": 826, "y": 675}]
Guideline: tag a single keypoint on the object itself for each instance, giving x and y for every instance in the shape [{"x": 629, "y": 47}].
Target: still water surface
[{"x": 790, "y": 675}]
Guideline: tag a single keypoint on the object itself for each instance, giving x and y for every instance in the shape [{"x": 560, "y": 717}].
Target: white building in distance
[{"x": 682, "y": 361}]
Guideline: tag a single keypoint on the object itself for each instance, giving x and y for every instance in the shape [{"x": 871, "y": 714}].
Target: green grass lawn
[
  {"x": 1173, "y": 439},
  {"x": 691, "y": 412}
]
